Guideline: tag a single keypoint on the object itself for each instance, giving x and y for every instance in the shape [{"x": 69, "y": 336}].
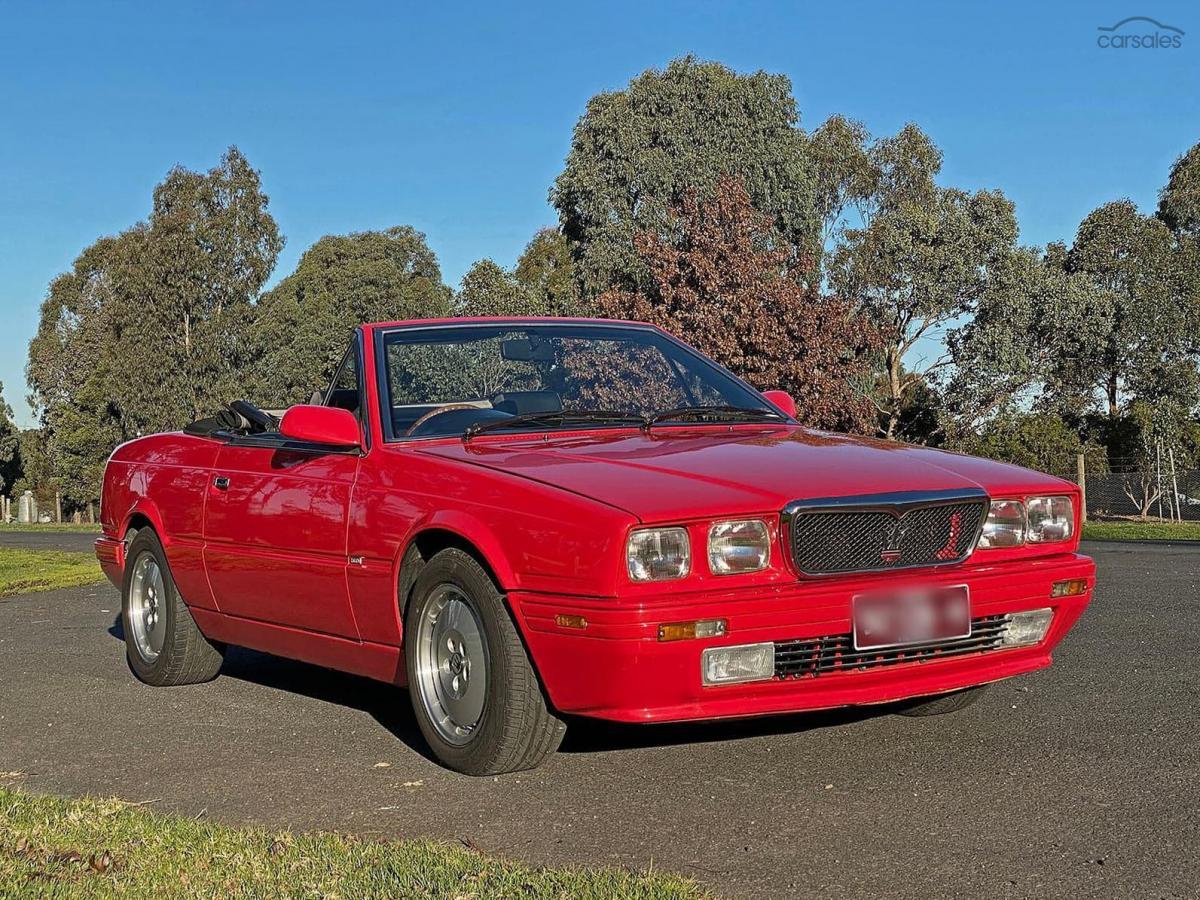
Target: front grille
[
  {"x": 883, "y": 532},
  {"x": 836, "y": 653}
]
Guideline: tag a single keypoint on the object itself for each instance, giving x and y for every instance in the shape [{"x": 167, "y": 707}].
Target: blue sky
[{"x": 456, "y": 119}]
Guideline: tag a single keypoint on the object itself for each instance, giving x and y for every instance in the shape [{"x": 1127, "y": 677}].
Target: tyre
[
  {"x": 942, "y": 704},
  {"x": 475, "y": 695},
  {"x": 162, "y": 643}
]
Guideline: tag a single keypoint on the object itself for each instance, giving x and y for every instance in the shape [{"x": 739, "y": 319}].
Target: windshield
[{"x": 445, "y": 381}]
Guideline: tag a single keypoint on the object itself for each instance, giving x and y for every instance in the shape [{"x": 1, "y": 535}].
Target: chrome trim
[{"x": 897, "y": 503}]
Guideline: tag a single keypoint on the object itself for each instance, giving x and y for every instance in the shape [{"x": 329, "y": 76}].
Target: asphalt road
[
  {"x": 1081, "y": 781},
  {"x": 49, "y": 539}
]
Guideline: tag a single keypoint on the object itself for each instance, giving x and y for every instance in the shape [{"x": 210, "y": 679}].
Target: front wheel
[{"x": 474, "y": 693}]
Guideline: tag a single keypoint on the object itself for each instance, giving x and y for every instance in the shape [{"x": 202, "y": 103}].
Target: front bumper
[{"x": 617, "y": 669}]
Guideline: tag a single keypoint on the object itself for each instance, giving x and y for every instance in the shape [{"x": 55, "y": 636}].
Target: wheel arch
[{"x": 437, "y": 536}]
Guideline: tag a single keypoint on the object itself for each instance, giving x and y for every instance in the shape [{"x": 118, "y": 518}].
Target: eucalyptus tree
[
  {"x": 919, "y": 259},
  {"x": 141, "y": 334}
]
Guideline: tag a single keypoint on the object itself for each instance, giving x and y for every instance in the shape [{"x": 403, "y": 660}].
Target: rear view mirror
[
  {"x": 526, "y": 350},
  {"x": 325, "y": 425}
]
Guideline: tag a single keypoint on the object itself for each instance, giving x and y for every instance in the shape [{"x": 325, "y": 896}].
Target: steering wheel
[{"x": 449, "y": 407}]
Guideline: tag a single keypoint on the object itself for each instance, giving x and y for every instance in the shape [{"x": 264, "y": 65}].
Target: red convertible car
[{"x": 528, "y": 519}]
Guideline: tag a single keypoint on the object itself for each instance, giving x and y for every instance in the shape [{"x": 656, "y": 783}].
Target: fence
[{"x": 1162, "y": 493}]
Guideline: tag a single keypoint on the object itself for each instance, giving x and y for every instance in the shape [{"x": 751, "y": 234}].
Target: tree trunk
[
  {"x": 896, "y": 392},
  {"x": 58, "y": 507},
  {"x": 91, "y": 513},
  {"x": 1111, "y": 391}
]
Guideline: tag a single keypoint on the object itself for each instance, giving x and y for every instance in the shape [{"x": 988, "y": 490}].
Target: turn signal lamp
[{"x": 686, "y": 631}]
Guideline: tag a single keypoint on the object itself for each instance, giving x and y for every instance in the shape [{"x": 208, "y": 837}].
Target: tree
[
  {"x": 1129, "y": 259},
  {"x": 10, "y": 459},
  {"x": 542, "y": 284},
  {"x": 1028, "y": 341},
  {"x": 922, "y": 258},
  {"x": 303, "y": 325},
  {"x": 1036, "y": 440},
  {"x": 140, "y": 335},
  {"x": 488, "y": 290},
  {"x": 547, "y": 272},
  {"x": 722, "y": 281},
  {"x": 1179, "y": 201},
  {"x": 636, "y": 152}
]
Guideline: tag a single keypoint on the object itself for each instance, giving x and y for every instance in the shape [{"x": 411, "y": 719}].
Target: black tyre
[
  {"x": 474, "y": 692},
  {"x": 162, "y": 642},
  {"x": 941, "y": 704}
]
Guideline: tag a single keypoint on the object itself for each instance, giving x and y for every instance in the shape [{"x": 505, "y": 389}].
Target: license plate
[{"x": 916, "y": 615}]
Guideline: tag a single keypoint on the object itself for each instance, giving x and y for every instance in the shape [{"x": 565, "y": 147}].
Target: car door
[{"x": 275, "y": 526}]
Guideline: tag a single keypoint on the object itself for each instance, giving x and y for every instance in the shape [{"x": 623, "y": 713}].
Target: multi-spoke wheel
[
  {"x": 474, "y": 692},
  {"x": 162, "y": 642}
]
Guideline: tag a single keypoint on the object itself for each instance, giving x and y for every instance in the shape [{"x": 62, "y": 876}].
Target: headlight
[
  {"x": 1050, "y": 519},
  {"x": 658, "y": 554},
  {"x": 738, "y": 546},
  {"x": 1005, "y": 525}
]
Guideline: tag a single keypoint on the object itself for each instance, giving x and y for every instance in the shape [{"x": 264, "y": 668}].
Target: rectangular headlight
[
  {"x": 738, "y": 546},
  {"x": 738, "y": 664},
  {"x": 1051, "y": 519},
  {"x": 658, "y": 554},
  {"x": 1005, "y": 525}
]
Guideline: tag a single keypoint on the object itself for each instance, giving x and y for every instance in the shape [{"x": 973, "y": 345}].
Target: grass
[
  {"x": 56, "y": 848},
  {"x": 1141, "y": 531},
  {"x": 24, "y": 571},
  {"x": 48, "y": 526}
]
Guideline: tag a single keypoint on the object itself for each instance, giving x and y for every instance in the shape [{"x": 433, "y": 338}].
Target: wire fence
[{"x": 1171, "y": 495}]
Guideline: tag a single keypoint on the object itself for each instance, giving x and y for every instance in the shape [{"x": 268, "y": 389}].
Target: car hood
[{"x": 674, "y": 474}]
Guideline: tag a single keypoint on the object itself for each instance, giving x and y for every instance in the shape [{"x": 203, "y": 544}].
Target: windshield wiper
[
  {"x": 556, "y": 417},
  {"x": 724, "y": 413}
]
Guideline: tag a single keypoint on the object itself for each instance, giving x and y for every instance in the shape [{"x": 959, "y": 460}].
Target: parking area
[{"x": 1081, "y": 781}]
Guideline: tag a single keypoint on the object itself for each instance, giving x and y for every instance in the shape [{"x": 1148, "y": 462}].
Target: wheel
[
  {"x": 162, "y": 642},
  {"x": 943, "y": 703},
  {"x": 474, "y": 693}
]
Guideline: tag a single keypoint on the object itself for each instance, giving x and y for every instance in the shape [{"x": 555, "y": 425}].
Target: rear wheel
[
  {"x": 943, "y": 703},
  {"x": 474, "y": 693},
  {"x": 162, "y": 642}
]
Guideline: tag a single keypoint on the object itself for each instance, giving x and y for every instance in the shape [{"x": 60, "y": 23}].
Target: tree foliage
[
  {"x": 10, "y": 459},
  {"x": 921, "y": 258},
  {"x": 637, "y": 152},
  {"x": 722, "y": 282},
  {"x": 143, "y": 333},
  {"x": 303, "y": 325}
]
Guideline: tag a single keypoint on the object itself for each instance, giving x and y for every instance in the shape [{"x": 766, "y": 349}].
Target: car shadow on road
[
  {"x": 385, "y": 703},
  {"x": 389, "y": 706},
  {"x": 595, "y": 735}
]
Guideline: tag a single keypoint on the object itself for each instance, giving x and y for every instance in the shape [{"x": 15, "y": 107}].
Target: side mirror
[
  {"x": 326, "y": 425},
  {"x": 782, "y": 401}
]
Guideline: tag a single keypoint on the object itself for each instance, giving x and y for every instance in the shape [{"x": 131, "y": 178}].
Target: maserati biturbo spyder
[{"x": 523, "y": 520}]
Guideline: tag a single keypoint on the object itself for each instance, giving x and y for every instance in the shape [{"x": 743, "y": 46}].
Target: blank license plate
[{"x": 905, "y": 616}]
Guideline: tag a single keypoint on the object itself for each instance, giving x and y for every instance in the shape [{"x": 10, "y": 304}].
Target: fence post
[{"x": 1081, "y": 476}]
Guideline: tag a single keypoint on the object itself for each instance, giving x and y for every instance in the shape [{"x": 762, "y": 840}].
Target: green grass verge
[
  {"x": 51, "y": 847},
  {"x": 1141, "y": 531},
  {"x": 49, "y": 526},
  {"x": 24, "y": 571}
]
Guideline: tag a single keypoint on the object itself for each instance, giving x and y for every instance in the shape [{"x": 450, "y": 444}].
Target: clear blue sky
[{"x": 456, "y": 119}]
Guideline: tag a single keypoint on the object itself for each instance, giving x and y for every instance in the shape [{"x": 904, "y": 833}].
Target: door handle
[{"x": 221, "y": 483}]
